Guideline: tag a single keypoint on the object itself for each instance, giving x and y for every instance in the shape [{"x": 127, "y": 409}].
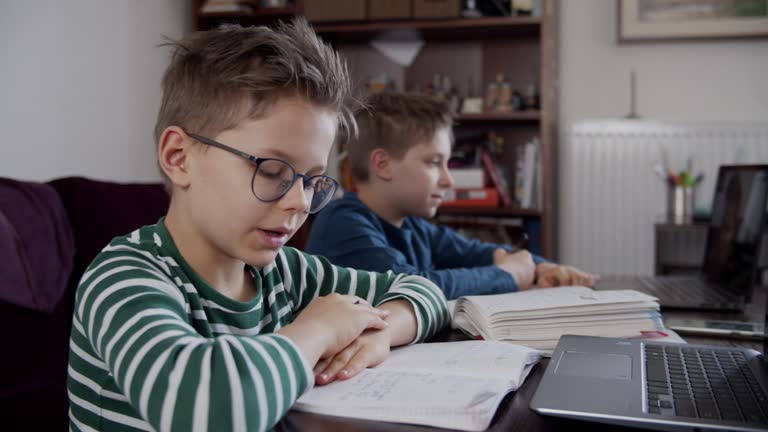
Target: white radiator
[{"x": 610, "y": 197}]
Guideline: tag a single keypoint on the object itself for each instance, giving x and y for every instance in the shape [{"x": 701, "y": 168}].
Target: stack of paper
[{"x": 537, "y": 318}]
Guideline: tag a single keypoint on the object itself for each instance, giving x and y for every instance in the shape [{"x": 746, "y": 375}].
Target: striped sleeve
[
  {"x": 316, "y": 277},
  {"x": 130, "y": 319},
  {"x": 427, "y": 300}
]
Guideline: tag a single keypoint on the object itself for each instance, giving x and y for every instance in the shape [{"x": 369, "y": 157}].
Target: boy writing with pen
[
  {"x": 205, "y": 321},
  {"x": 399, "y": 165}
]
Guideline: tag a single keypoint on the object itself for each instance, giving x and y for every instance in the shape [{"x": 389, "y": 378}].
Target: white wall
[
  {"x": 693, "y": 81},
  {"x": 80, "y": 85},
  {"x": 696, "y": 81}
]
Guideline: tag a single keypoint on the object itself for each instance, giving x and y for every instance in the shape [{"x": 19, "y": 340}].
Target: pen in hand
[{"x": 521, "y": 243}]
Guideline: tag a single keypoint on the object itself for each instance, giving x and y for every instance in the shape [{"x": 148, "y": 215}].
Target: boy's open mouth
[
  {"x": 275, "y": 237},
  {"x": 274, "y": 233}
]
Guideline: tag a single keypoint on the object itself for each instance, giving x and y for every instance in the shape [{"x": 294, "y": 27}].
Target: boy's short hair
[
  {"x": 395, "y": 122},
  {"x": 218, "y": 78}
]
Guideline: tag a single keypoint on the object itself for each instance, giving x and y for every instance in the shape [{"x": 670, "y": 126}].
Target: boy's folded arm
[
  {"x": 428, "y": 302},
  {"x": 454, "y": 283},
  {"x": 452, "y": 250},
  {"x": 459, "y": 282},
  {"x": 320, "y": 278},
  {"x": 166, "y": 369},
  {"x": 364, "y": 246},
  {"x": 537, "y": 259}
]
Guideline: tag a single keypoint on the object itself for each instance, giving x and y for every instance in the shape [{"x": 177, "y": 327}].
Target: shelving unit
[
  {"x": 472, "y": 52},
  {"x": 436, "y": 29},
  {"x": 519, "y": 117}
]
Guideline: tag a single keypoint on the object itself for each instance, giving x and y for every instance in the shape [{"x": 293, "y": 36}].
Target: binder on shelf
[
  {"x": 498, "y": 178},
  {"x": 528, "y": 174}
]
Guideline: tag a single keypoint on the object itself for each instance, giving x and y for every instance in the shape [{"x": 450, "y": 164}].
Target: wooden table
[{"x": 513, "y": 413}]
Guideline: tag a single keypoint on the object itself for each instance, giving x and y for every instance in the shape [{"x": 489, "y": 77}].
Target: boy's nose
[
  {"x": 296, "y": 198},
  {"x": 446, "y": 180}
]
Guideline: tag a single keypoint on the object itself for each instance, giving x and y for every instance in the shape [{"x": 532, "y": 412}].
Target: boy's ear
[
  {"x": 380, "y": 164},
  {"x": 173, "y": 153}
]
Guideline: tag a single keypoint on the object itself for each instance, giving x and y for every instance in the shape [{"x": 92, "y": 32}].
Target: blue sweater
[{"x": 350, "y": 234}]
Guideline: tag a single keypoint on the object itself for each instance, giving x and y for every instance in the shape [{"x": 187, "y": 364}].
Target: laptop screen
[{"x": 736, "y": 227}]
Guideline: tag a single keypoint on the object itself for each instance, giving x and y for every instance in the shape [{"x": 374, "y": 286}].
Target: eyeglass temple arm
[{"x": 211, "y": 142}]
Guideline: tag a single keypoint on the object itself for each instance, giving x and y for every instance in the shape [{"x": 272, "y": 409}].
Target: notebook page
[
  {"x": 488, "y": 359},
  {"x": 570, "y": 319},
  {"x": 549, "y": 298},
  {"x": 619, "y": 329},
  {"x": 585, "y": 310},
  {"x": 456, "y": 385},
  {"x": 426, "y": 398}
]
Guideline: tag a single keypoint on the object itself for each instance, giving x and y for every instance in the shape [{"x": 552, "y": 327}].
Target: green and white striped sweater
[{"x": 153, "y": 347}]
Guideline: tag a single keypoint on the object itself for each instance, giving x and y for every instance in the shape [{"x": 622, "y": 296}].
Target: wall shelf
[
  {"x": 499, "y": 211},
  {"x": 517, "y": 116},
  {"x": 445, "y": 29},
  {"x": 472, "y": 52}
]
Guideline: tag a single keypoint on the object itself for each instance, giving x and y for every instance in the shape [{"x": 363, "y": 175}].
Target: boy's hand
[
  {"x": 552, "y": 275},
  {"x": 370, "y": 349},
  {"x": 330, "y": 323},
  {"x": 518, "y": 264}
]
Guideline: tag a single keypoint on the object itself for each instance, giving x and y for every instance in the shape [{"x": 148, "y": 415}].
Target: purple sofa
[{"x": 49, "y": 233}]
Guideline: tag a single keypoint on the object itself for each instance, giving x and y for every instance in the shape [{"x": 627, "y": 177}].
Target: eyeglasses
[{"x": 273, "y": 178}]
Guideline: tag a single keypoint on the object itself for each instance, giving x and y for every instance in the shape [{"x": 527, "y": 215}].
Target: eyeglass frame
[{"x": 258, "y": 161}]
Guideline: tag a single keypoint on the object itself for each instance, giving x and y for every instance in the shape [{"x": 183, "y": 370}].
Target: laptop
[
  {"x": 664, "y": 386},
  {"x": 732, "y": 251}
]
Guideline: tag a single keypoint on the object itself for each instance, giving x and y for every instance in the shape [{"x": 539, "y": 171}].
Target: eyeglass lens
[{"x": 273, "y": 178}]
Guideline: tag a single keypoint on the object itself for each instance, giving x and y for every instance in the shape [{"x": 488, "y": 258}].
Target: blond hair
[
  {"x": 218, "y": 78},
  {"x": 394, "y": 122}
]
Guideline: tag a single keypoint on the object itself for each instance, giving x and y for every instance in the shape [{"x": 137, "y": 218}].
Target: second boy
[{"x": 399, "y": 165}]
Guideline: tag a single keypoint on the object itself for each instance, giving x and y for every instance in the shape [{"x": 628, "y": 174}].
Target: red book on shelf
[
  {"x": 498, "y": 178},
  {"x": 346, "y": 181},
  {"x": 475, "y": 197}
]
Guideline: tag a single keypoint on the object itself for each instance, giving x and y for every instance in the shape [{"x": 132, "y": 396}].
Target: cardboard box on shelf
[
  {"x": 389, "y": 9},
  {"x": 334, "y": 10},
  {"x": 436, "y": 8}
]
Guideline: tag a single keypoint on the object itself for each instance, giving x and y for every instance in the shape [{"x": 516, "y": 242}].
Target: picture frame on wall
[{"x": 641, "y": 20}]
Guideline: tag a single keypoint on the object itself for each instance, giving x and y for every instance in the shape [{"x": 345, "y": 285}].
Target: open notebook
[{"x": 456, "y": 385}]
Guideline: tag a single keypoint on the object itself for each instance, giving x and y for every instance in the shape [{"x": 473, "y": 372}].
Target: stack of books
[
  {"x": 470, "y": 190},
  {"x": 538, "y": 317}
]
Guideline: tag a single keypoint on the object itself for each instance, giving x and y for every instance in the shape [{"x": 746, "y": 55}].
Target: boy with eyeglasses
[
  {"x": 205, "y": 321},
  {"x": 399, "y": 162}
]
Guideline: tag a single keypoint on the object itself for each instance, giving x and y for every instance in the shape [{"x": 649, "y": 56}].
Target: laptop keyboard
[{"x": 703, "y": 383}]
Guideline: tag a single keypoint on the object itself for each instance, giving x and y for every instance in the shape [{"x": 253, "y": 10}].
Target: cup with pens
[{"x": 680, "y": 192}]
